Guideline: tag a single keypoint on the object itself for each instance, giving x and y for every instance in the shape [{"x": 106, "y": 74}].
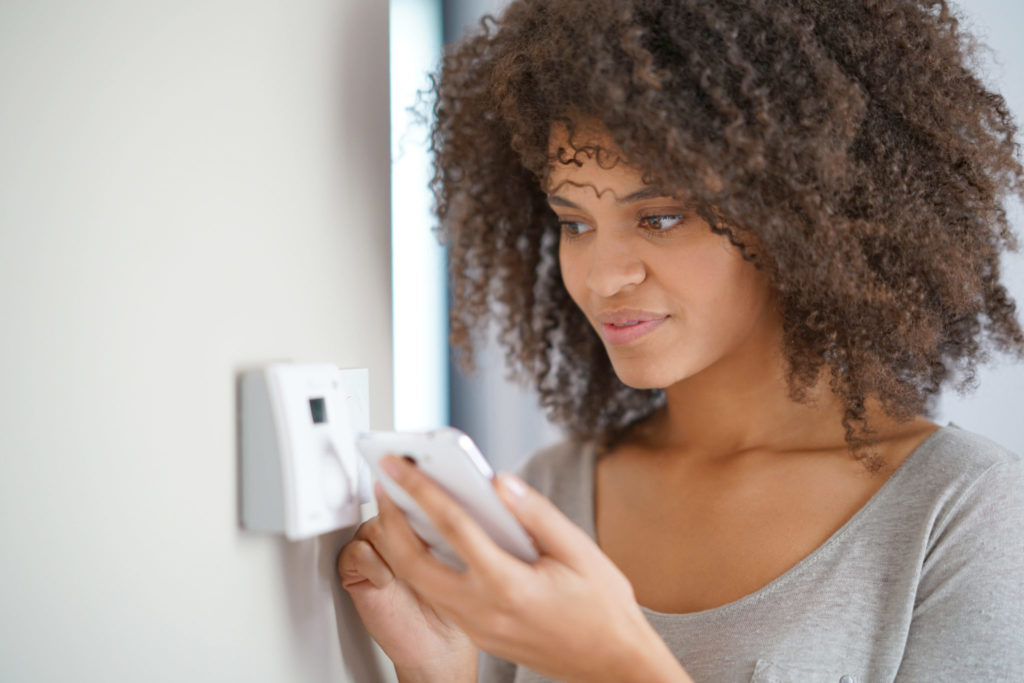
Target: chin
[{"x": 644, "y": 375}]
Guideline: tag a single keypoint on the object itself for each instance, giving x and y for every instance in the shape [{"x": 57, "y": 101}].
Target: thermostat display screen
[{"x": 318, "y": 410}]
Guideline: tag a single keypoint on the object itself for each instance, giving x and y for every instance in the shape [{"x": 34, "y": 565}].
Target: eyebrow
[{"x": 646, "y": 193}]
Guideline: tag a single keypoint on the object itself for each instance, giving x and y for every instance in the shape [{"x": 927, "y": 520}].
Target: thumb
[
  {"x": 557, "y": 535},
  {"x": 359, "y": 562}
]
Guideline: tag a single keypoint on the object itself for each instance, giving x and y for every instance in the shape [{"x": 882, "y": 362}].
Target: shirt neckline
[{"x": 787, "y": 576}]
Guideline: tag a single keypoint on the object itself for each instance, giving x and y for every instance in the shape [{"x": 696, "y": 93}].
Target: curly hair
[{"x": 851, "y": 139}]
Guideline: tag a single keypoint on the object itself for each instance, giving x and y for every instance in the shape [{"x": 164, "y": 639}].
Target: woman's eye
[
  {"x": 573, "y": 228},
  {"x": 660, "y": 223}
]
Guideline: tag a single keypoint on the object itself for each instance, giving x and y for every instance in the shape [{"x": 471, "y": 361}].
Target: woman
[{"x": 738, "y": 248}]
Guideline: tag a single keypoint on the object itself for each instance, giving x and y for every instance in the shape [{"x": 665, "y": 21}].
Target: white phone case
[{"x": 451, "y": 458}]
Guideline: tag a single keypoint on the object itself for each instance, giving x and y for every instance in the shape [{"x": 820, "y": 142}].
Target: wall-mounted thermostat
[{"x": 301, "y": 473}]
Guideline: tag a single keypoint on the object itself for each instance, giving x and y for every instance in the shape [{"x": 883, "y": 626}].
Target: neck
[{"x": 742, "y": 403}]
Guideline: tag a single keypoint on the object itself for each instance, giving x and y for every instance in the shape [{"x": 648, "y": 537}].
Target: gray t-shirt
[{"x": 924, "y": 583}]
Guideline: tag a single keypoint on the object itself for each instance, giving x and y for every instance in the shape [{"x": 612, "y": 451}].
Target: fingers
[
  {"x": 465, "y": 536},
  {"x": 407, "y": 554},
  {"x": 557, "y": 535}
]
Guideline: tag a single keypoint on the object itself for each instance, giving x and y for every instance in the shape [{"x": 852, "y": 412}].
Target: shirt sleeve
[
  {"x": 494, "y": 670},
  {"x": 968, "y": 616}
]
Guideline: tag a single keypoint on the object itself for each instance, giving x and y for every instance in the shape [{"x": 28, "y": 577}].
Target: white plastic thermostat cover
[{"x": 301, "y": 473}]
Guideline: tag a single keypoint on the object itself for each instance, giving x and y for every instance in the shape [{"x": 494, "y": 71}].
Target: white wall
[{"x": 186, "y": 189}]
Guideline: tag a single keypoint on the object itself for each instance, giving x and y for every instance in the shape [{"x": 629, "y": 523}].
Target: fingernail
[
  {"x": 378, "y": 490},
  {"x": 512, "y": 484}
]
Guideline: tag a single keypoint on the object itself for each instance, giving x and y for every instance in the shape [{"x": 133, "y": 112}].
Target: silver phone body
[{"x": 451, "y": 459}]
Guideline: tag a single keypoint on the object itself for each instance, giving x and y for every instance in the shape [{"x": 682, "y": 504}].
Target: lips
[{"x": 626, "y": 325}]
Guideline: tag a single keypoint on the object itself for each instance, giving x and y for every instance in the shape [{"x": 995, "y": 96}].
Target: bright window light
[{"x": 417, "y": 260}]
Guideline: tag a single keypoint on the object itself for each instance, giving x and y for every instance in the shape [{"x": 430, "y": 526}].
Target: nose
[{"x": 614, "y": 266}]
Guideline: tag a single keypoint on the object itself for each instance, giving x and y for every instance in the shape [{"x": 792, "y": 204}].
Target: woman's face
[{"x": 668, "y": 297}]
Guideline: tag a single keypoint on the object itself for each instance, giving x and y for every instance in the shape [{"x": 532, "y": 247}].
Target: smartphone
[{"x": 450, "y": 458}]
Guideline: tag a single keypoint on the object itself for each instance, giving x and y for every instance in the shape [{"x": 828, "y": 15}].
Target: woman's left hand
[{"x": 572, "y": 615}]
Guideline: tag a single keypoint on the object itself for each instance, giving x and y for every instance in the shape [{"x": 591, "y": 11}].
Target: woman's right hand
[{"x": 422, "y": 643}]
